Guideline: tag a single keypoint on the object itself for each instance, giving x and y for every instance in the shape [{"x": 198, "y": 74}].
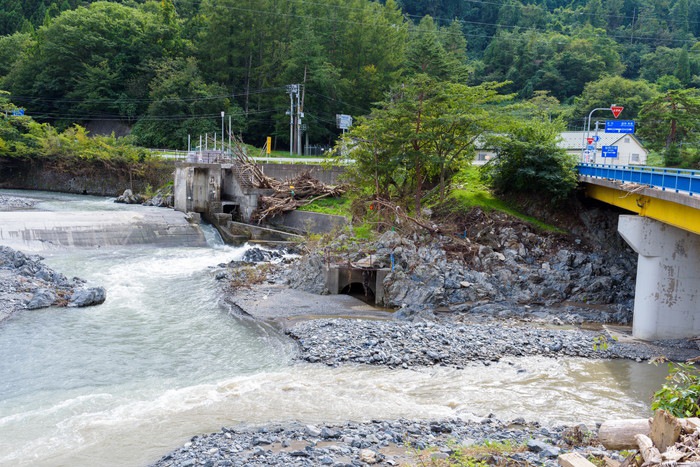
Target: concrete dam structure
[
  {"x": 224, "y": 194},
  {"x": 44, "y": 230}
]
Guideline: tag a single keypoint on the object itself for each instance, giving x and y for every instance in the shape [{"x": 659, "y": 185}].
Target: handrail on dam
[{"x": 677, "y": 180}]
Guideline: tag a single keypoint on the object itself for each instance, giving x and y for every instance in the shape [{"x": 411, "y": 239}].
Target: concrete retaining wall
[
  {"x": 309, "y": 222},
  {"x": 90, "y": 179},
  {"x": 329, "y": 175}
]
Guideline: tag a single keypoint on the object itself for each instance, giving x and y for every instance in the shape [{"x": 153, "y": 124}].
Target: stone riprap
[
  {"x": 26, "y": 284},
  {"x": 382, "y": 443}
]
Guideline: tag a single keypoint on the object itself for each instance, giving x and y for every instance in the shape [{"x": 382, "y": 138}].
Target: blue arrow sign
[
  {"x": 609, "y": 151},
  {"x": 619, "y": 126}
]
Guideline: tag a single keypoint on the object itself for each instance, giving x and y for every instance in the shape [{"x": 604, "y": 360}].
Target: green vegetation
[
  {"x": 469, "y": 191},
  {"x": 478, "y": 455},
  {"x": 530, "y": 162},
  {"x": 334, "y": 206},
  {"x": 167, "y": 68},
  {"x": 427, "y": 83},
  {"x": 680, "y": 395}
]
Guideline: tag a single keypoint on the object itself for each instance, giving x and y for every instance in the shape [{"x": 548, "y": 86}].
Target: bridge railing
[{"x": 678, "y": 180}]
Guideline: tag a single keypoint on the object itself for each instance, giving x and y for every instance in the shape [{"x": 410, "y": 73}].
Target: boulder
[
  {"x": 128, "y": 197},
  {"x": 42, "y": 298},
  {"x": 88, "y": 297}
]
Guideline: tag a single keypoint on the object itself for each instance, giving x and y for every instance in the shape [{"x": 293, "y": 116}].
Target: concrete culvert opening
[{"x": 357, "y": 290}]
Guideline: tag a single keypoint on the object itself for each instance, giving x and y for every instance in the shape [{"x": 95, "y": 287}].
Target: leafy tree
[
  {"x": 530, "y": 162},
  {"x": 85, "y": 58},
  {"x": 183, "y": 104},
  {"x": 425, "y": 52},
  {"x": 630, "y": 94},
  {"x": 421, "y": 133},
  {"x": 671, "y": 120},
  {"x": 658, "y": 63},
  {"x": 683, "y": 67}
]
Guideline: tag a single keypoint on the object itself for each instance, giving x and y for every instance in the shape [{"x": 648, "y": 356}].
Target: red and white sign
[
  {"x": 616, "y": 110},
  {"x": 590, "y": 140}
]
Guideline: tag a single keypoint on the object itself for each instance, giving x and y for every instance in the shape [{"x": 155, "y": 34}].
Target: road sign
[
  {"x": 590, "y": 147},
  {"x": 616, "y": 110},
  {"x": 619, "y": 126},
  {"x": 609, "y": 151},
  {"x": 596, "y": 138},
  {"x": 589, "y": 140},
  {"x": 343, "y": 121},
  {"x": 18, "y": 112}
]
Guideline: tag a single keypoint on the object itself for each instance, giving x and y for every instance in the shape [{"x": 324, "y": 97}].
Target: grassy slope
[{"x": 468, "y": 192}]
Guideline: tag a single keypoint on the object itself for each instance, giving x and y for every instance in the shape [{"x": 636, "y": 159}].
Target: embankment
[{"x": 84, "y": 177}]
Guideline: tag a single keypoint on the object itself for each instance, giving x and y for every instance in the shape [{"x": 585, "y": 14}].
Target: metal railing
[{"x": 677, "y": 180}]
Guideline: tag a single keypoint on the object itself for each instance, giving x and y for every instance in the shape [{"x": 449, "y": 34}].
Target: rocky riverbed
[
  {"x": 27, "y": 284},
  {"x": 386, "y": 443},
  {"x": 503, "y": 291}
]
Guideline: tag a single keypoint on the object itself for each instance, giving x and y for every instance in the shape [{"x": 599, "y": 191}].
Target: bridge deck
[{"x": 650, "y": 192}]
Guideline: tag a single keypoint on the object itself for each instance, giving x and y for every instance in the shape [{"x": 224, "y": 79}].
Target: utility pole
[
  {"x": 295, "y": 117},
  {"x": 229, "y": 132},
  {"x": 300, "y": 115},
  {"x": 222, "y": 131},
  {"x": 291, "y": 89}
]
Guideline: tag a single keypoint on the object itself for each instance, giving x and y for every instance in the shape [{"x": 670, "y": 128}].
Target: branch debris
[{"x": 286, "y": 195}]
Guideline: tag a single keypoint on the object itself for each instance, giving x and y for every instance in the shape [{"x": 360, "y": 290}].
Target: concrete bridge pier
[{"x": 667, "y": 294}]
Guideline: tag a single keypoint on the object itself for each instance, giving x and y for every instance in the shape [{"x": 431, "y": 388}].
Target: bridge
[{"x": 665, "y": 233}]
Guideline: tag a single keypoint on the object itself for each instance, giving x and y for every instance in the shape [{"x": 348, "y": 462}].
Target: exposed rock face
[
  {"x": 498, "y": 262},
  {"x": 26, "y": 283}
]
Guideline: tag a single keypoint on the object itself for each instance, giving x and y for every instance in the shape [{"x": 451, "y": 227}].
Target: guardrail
[
  {"x": 678, "y": 180},
  {"x": 219, "y": 156}
]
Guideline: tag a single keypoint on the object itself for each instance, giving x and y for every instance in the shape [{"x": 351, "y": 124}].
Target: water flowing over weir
[{"x": 123, "y": 383}]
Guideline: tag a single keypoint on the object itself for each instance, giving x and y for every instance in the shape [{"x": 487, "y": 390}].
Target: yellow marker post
[{"x": 268, "y": 149}]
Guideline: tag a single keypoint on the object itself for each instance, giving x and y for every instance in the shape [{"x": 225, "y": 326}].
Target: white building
[{"x": 629, "y": 149}]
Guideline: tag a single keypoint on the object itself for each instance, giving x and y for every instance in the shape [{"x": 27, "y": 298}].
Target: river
[{"x": 123, "y": 383}]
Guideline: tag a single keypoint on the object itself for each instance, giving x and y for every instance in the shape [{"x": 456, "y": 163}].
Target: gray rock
[
  {"x": 42, "y": 298},
  {"x": 88, "y": 297}
]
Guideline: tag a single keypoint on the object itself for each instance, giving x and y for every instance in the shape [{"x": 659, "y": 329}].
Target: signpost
[
  {"x": 344, "y": 122},
  {"x": 609, "y": 151},
  {"x": 18, "y": 113},
  {"x": 616, "y": 110},
  {"x": 619, "y": 126}
]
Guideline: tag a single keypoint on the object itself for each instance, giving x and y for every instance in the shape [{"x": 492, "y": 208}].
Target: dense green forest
[{"x": 168, "y": 68}]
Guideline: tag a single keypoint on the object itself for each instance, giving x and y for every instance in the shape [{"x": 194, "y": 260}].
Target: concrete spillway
[{"x": 42, "y": 230}]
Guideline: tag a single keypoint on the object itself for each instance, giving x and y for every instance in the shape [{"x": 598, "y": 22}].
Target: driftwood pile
[
  {"x": 286, "y": 195},
  {"x": 294, "y": 193},
  {"x": 663, "y": 441}
]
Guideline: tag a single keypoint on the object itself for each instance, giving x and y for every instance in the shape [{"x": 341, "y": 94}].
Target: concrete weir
[
  {"x": 667, "y": 294},
  {"x": 42, "y": 230}
]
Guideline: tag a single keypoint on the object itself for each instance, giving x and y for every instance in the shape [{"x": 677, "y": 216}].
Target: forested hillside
[{"x": 168, "y": 68}]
